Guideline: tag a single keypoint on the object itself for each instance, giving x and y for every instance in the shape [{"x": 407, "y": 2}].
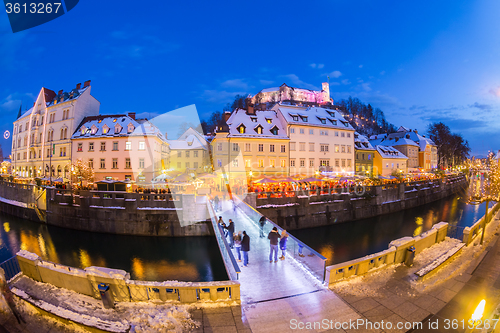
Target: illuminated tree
[{"x": 82, "y": 171}]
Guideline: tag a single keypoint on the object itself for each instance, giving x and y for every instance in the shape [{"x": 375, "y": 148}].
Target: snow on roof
[
  {"x": 67, "y": 96},
  {"x": 389, "y": 152},
  {"x": 270, "y": 89},
  {"x": 403, "y": 129},
  {"x": 313, "y": 116},
  {"x": 268, "y": 120},
  {"x": 25, "y": 114},
  {"x": 115, "y": 125},
  {"x": 399, "y": 142},
  {"x": 361, "y": 142},
  {"x": 190, "y": 139}
]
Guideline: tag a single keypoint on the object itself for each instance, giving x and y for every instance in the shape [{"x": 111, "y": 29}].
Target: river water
[{"x": 198, "y": 258}]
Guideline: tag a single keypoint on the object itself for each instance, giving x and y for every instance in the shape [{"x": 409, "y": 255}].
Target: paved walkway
[{"x": 275, "y": 294}]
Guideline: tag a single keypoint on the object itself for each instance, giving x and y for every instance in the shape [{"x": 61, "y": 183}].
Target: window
[
  {"x": 274, "y": 130},
  {"x": 261, "y": 163},
  {"x": 258, "y": 129},
  {"x": 254, "y": 119},
  {"x": 324, "y": 132},
  {"x": 187, "y": 154},
  {"x": 343, "y": 148},
  {"x": 311, "y": 131},
  {"x": 261, "y": 147},
  {"x": 142, "y": 145},
  {"x": 397, "y": 166},
  {"x": 342, "y": 134},
  {"x": 195, "y": 153},
  {"x": 295, "y": 118},
  {"x": 292, "y": 130},
  {"x": 48, "y": 153},
  {"x": 302, "y": 146},
  {"x": 301, "y": 131},
  {"x": 128, "y": 145},
  {"x": 311, "y": 163},
  {"x": 283, "y": 149},
  {"x": 141, "y": 163},
  {"x": 196, "y": 164},
  {"x": 387, "y": 165},
  {"x": 130, "y": 128},
  {"x": 105, "y": 129},
  {"x": 337, "y": 162},
  {"x": 103, "y": 146},
  {"x": 91, "y": 146},
  {"x": 323, "y": 148},
  {"x": 269, "y": 120},
  {"x": 324, "y": 162},
  {"x": 337, "y": 148},
  {"x": 292, "y": 146},
  {"x": 247, "y": 147},
  {"x": 311, "y": 146},
  {"x": 392, "y": 166},
  {"x": 236, "y": 147},
  {"x": 80, "y": 147},
  {"x": 369, "y": 157},
  {"x": 283, "y": 163},
  {"x": 343, "y": 163},
  {"x": 115, "y": 145},
  {"x": 219, "y": 146},
  {"x": 248, "y": 163},
  {"x": 241, "y": 129},
  {"x": 336, "y": 133},
  {"x": 348, "y": 148},
  {"x": 304, "y": 118},
  {"x": 272, "y": 163},
  {"x": 118, "y": 128},
  {"x": 103, "y": 163},
  {"x": 348, "y": 135},
  {"x": 187, "y": 165},
  {"x": 292, "y": 163},
  {"x": 179, "y": 165},
  {"x": 302, "y": 162},
  {"x": 271, "y": 148},
  {"x": 91, "y": 163},
  {"x": 127, "y": 163},
  {"x": 362, "y": 156},
  {"x": 115, "y": 163}
]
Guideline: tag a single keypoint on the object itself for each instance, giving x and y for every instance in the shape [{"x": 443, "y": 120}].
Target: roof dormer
[
  {"x": 258, "y": 129},
  {"x": 130, "y": 128},
  {"x": 241, "y": 129},
  {"x": 105, "y": 129},
  {"x": 83, "y": 130},
  {"x": 93, "y": 129},
  {"x": 275, "y": 130},
  {"x": 118, "y": 128}
]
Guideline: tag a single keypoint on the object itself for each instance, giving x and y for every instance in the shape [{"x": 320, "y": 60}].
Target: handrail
[
  {"x": 312, "y": 252},
  {"x": 224, "y": 247}
]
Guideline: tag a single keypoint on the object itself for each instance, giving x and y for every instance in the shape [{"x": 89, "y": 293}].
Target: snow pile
[
  {"x": 440, "y": 260},
  {"x": 28, "y": 255},
  {"x": 276, "y": 206},
  {"x": 62, "y": 268},
  {"x": 141, "y": 316},
  {"x": 107, "y": 272},
  {"x": 110, "y": 207}
]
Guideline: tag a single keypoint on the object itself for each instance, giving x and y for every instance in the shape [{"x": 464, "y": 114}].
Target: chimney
[
  {"x": 166, "y": 136},
  {"x": 415, "y": 131},
  {"x": 227, "y": 114},
  {"x": 131, "y": 115},
  {"x": 78, "y": 85},
  {"x": 60, "y": 92},
  {"x": 86, "y": 83}
]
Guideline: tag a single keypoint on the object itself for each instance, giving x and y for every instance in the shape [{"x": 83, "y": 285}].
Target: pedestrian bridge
[{"x": 273, "y": 294}]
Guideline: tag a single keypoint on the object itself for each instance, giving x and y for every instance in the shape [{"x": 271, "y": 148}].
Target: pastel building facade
[
  {"x": 190, "y": 152},
  {"x": 41, "y": 138},
  {"x": 121, "y": 147},
  {"x": 250, "y": 144},
  {"x": 321, "y": 140},
  {"x": 365, "y": 154},
  {"x": 388, "y": 160},
  {"x": 298, "y": 95}
]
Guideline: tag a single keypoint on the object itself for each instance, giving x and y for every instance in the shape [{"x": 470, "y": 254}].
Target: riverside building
[
  {"x": 121, "y": 147},
  {"x": 41, "y": 135}
]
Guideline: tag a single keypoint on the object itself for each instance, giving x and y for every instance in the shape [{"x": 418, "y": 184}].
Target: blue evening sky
[{"x": 419, "y": 62}]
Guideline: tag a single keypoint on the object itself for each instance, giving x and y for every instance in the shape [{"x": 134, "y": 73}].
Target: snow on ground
[{"x": 142, "y": 316}]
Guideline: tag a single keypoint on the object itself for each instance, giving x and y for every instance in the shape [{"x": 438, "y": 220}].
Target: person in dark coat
[
  {"x": 262, "y": 222},
  {"x": 230, "y": 232},
  {"x": 273, "y": 237},
  {"x": 245, "y": 248}
]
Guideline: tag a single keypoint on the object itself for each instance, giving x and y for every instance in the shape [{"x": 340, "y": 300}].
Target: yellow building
[
  {"x": 252, "y": 144},
  {"x": 190, "y": 152},
  {"x": 388, "y": 160}
]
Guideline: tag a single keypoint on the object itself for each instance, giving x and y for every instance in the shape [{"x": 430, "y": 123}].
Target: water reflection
[
  {"x": 346, "y": 241},
  {"x": 145, "y": 258}
]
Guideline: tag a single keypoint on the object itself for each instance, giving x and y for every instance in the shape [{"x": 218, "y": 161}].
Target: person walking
[
  {"x": 273, "y": 237},
  {"x": 230, "y": 232},
  {"x": 216, "y": 202},
  {"x": 245, "y": 248},
  {"x": 222, "y": 226},
  {"x": 283, "y": 240},
  {"x": 262, "y": 222},
  {"x": 237, "y": 244}
]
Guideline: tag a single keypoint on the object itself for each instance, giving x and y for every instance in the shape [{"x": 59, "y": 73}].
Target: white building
[
  {"x": 41, "y": 136},
  {"x": 121, "y": 147},
  {"x": 321, "y": 140}
]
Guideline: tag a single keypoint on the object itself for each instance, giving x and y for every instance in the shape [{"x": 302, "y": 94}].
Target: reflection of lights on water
[
  {"x": 419, "y": 220},
  {"x": 6, "y": 226},
  {"x": 417, "y": 231},
  {"x": 41, "y": 244},
  {"x": 138, "y": 268},
  {"x": 84, "y": 259}
]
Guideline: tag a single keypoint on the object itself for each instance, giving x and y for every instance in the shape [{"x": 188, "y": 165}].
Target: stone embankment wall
[{"x": 306, "y": 209}]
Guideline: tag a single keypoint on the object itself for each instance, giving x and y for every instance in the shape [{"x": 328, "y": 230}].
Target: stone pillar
[{"x": 402, "y": 245}]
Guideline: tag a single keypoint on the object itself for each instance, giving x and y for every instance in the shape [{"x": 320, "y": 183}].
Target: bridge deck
[{"x": 273, "y": 294}]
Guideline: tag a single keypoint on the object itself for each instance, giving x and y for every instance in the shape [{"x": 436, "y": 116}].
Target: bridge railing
[
  {"x": 302, "y": 253},
  {"x": 232, "y": 267},
  {"x": 10, "y": 267}
]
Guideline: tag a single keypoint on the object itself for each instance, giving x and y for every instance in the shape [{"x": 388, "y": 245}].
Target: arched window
[
  {"x": 62, "y": 134},
  {"x": 65, "y": 133}
]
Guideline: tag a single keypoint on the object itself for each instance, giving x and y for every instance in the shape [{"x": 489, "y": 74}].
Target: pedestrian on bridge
[
  {"x": 237, "y": 244},
  {"x": 245, "y": 247},
  {"x": 230, "y": 232},
  {"x": 283, "y": 240},
  {"x": 262, "y": 222},
  {"x": 273, "y": 237},
  {"x": 216, "y": 202}
]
